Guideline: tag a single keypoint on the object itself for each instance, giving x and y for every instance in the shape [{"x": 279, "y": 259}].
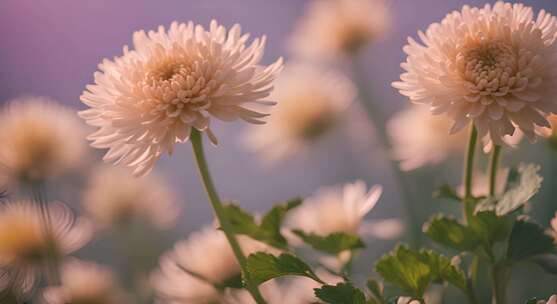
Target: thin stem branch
[
  {"x": 378, "y": 121},
  {"x": 469, "y": 173},
  {"x": 197, "y": 147},
  {"x": 493, "y": 169},
  {"x": 499, "y": 279}
]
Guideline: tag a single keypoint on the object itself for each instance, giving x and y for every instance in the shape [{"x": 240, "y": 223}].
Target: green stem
[
  {"x": 468, "y": 199},
  {"x": 378, "y": 121},
  {"x": 493, "y": 168},
  {"x": 197, "y": 146},
  {"x": 499, "y": 279}
]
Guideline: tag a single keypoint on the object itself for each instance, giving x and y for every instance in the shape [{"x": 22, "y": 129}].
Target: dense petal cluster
[
  {"x": 331, "y": 28},
  {"x": 189, "y": 272},
  {"x": 495, "y": 67},
  {"x": 85, "y": 283},
  {"x": 170, "y": 82},
  {"x": 311, "y": 101},
  {"x": 23, "y": 241},
  {"x": 40, "y": 140},
  {"x": 114, "y": 197}
]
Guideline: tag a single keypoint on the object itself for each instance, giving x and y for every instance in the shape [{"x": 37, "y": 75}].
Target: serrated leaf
[
  {"x": 548, "y": 262},
  {"x": 333, "y": 243},
  {"x": 263, "y": 266},
  {"x": 375, "y": 288},
  {"x": 520, "y": 190},
  {"x": 414, "y": 271},
  {"x": 446, "y": 191},
  {"x": 342, "y": 293},
  {"x": 451, "y": 233},
  {"x": 528, "y": 239},
  {"x": 490, "y": 227},
  {"x": 268, "y": 231}
]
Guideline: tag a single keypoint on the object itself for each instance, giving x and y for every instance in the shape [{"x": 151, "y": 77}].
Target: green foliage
[
  {"x": 413, "y": 271},
  {"x": 520, "y": 190},
  {"x": 334, "y": 243},
  {"x": 547, "y": 262},
  {"x": 451, "y": 233},
  {"x": 376, "y": 290},
  {"x": 268, "y": 231},
  {"x": 446, "y": 191},
  {"x": 527, "y": 240},
  {"x": 533, "y": 301},
  {"x": 264, "y": 266},
  {"x": 342, "y": 293}
]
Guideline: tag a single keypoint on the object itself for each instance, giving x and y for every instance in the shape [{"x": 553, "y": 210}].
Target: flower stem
[
  {"x": 378, "y": 122},
  {"x": 197, "y": 147},
  {"x": 493, "y": 168},
  {"x": 499, "y": 279},
  {"x": 51, "y": 263},
  {"x": 468, "y": 199}
]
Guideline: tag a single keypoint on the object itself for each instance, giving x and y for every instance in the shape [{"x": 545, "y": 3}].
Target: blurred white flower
[
  {"x": 85, "y": 283},
  {"x": 24, "y": 243},
  {"x": 299, "y": 290},
  {"x": 332, "y": 28},
  {"x": 205, "y": 256},
  {"x": 114, "y": 197},
  {"x": 492, "y": 66},
  {"x": 335, "y": 209},
  {"x": 552, "y": 300},
  {"x": 173, "y": 80},
  {"x": 420, "y": 139},
  {"x": 310, "y": 103},
  {"x": 480, "y": 183},
  {"x": 40, "y": 140}
]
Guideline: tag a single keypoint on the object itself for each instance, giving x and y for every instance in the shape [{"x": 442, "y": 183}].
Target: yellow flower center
[{"x": 21, "y": 240}]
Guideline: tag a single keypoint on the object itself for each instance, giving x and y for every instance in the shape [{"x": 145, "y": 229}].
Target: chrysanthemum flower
[
  {"x": 85, "y": 283},
  {"x": 311, "y": 101},
  {"x": 114, "y": 197},
  {"x": 332, "y": 28},
  {"x": 40, "y": 140},
  {"x": 335, "y": 209},
  {"x": 205, "y": 256},
  {"x": 419, "y": 138},
  {"x": 172, "y": 81},
  {"x": 494, "y": 67},
  {"x": 24, "y": 243}
]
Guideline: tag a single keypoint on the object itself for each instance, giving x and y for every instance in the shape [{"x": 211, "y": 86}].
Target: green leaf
[
  {"x": 547, "y": 261},
  {"x": 490, "y": 227},
  {"x": 414, "y": 271},
  {"x": 519, "y": 191},
  {"x": 233, "y": 282},
  {"x": 263, "y": 266},
  {"x": 533, "y": 301},
  {"x": 451, "y": 233},
  {"x": 269, "y": 231},
  {"x": 446, "y": 191},
  {"x": 342, "y": 293},
  {"x": 375, "y": 288},
  {"x": 334, "y": 243},
  {"x": 528, "y": 239}
]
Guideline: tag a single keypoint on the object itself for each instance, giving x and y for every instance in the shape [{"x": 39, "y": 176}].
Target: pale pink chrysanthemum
[
  {"x": 24, "y": 243},
  {"x": 113, "y": 197},
  {"x": 494, "y": 67},
  {"x": 311, "y": 101},
  {"x": 172, "y": 81},
  {"x": 40, "y": 140},
  {"x": 333, "y": 28},
  {"x": 85, "y": 283},
  {"x": 205, "y": 253}
]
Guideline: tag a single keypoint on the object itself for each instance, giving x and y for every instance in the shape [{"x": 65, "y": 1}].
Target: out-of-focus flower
[
  {"x": 114, "y": 197},
  {"x": 552, "y": 300},
  {"x": 480, "y": 183},
  {"x": 205, "y": 256},
  {"x": 24, "y": 243},
  {"x": 419, "y": 138},
  {"x": 335, "y": 209},
  {"x": 173, "y": 80},
  {"x": 310, "y": 102},
  {"x": 299, "y": 290},
  {"x": 40, "y": 140},
  {"x": 331, "y": 28},
  {"x": 551, "y": 133},
  {"x": 492, "y": 66},
  {"x": 85, "y": 283}
]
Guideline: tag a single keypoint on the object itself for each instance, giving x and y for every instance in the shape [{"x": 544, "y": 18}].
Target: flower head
[
  {"x": 114, "y": 197},
  {"x": 40, "y": 140},
  {"x": 304, "y": 112},
  {"x": 24, "y": 243},
  {"x": 331, "y": 28},
  {"x": 172, "y": 81},
  {"x": 492, "y": 66},
  {"x": 205, "y": 256},
  {"x": 85, "y": 283}
]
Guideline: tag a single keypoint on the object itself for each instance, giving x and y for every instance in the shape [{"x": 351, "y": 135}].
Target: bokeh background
[{"x": 51, "y": 48}]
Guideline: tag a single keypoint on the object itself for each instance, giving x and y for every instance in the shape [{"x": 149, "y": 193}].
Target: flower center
[{"x": 489, "y": 66}]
